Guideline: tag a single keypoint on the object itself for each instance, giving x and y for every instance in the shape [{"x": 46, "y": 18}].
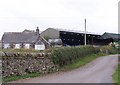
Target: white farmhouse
[{"x": 26, "y": 39}]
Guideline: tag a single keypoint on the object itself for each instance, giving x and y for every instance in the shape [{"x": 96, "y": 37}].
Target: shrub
[
  {"x": 67, "y": 55},
  {"x": 109, "y": 50}
]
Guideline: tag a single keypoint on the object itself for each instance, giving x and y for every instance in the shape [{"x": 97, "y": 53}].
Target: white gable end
[{"x": 40, "y": 47}]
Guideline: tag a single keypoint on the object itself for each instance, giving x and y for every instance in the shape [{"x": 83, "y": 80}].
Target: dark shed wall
[
  {"x": 69, "y": 38},
  {"x": 73, "y": 39}
]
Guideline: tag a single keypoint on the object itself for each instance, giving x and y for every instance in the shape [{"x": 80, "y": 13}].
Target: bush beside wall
[
  {"x": 67, "y": 55},
  {"x": 109, "y": 50}
]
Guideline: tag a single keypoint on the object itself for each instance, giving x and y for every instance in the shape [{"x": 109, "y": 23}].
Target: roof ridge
[
  {"x": 17, "y": 32},
  {"x": 11, "y": 32},
  {"x": 78, "y": 31},
  {"x": 112, "y": 33}
]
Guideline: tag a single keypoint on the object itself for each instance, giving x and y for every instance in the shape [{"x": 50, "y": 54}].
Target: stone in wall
[{"x": 24, "y": 63}]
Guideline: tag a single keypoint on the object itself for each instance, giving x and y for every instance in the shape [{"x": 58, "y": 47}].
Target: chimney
[{"x": 37, "y": 32}]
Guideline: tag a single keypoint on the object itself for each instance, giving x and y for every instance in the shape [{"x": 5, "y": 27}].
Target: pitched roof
[
  {"x": 39, "y": 42},
  {"x": 18, "y": 37},
  {"x": 110, "y": 35},
  {"x": 74, "y": 31}
]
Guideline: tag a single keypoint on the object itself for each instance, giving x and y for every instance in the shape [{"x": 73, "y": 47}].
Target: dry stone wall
[{"x": 23, "y": 63}]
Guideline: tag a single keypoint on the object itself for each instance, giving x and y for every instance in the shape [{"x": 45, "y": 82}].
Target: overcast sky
[{"x": 17, "y": 15}]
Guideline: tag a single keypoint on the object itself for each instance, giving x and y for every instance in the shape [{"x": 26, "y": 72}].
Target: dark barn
[{"x": 74, "y": 38}]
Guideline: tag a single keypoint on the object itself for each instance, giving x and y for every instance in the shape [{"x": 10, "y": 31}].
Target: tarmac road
[{"x": 97, "y": 71}]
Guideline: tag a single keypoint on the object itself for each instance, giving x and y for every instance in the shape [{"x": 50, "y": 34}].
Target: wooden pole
[{"x": 85, "y": 32}]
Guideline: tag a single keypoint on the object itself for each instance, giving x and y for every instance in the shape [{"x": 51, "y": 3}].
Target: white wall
[
  {"x": 27, "y": 46},
  {"x": 17, "y": 46},
  {"x": 40, "y": 47},
  {"x": 6, "y": 45}
]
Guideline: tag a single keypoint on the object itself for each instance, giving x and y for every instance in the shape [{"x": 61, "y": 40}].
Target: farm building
[
  {"x": 26, "y": 39},
  {"x": 112, "y": 36},
  {"x": 70, "y": 37},
  {"x": 74, "y": 38}
]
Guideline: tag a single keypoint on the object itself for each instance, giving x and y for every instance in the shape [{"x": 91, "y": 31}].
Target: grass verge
[
  {"x": 20, "y": 50},
  {"x": 14, "y": 78},
  {"x": 82, "y": 61},
  {"x": 116, "y": 75}
]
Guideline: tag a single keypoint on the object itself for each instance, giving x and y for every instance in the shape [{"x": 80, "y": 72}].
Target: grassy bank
[
  {"x": 116, "y": 75},
  {"x": 14, "y": 78},
  {"x": 82, "y": 62}
]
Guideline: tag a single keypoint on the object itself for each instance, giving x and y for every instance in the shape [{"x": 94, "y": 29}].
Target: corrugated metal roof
[
  {"x": 110, "y": 35},
  {"x": 76, "y": 31}
]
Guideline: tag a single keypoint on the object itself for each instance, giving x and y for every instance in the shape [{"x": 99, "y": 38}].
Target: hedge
[{"x": 67, "y": 55}]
